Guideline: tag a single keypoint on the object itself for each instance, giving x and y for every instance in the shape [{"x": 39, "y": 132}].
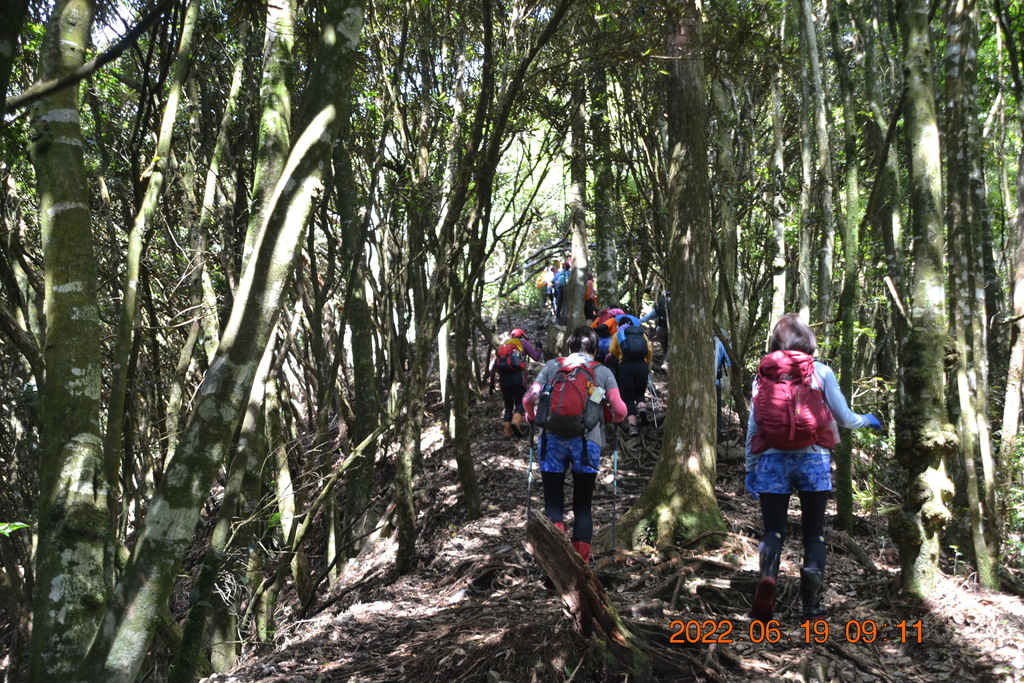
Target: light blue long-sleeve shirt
[{"x": 836, "y": 403}]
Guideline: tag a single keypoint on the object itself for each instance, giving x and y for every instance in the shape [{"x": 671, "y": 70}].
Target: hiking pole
[
  {"x": 654, "y": 403},
  {"x": 529, "y": 477},
  {"x": 615, "y": 481}
]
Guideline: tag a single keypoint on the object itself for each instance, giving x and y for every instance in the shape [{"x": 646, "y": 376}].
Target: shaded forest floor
[{"x": 478, "y": 608}]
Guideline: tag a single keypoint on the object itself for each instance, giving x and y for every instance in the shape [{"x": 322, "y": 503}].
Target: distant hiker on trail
[
  {"x": 633, "y": 351},
  {"x": 510, "y": 367},
  {"x": 567, "y": 400},
  {"x": 547, "y": 277},
  {"x": 561, "y": 283},
  {"x": 605, "y": 325},
  {"x": 660, "y": 312},
  {"x": 590, "y": 299},
  {"x": 789, "y": 450},
  {"x": 721, "y": 363}
]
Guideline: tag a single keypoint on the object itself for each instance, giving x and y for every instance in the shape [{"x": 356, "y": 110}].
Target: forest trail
[{"x": 478, "y": 608}]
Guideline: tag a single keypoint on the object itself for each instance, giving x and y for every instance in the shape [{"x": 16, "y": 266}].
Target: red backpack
[
  {"x": 565, "y": 408},
  {"x": 510, "y": 357},
  {"x": 789, "y": 408}
]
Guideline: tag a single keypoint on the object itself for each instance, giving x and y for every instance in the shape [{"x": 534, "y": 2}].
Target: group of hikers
[{"x": 796, "y": 409}]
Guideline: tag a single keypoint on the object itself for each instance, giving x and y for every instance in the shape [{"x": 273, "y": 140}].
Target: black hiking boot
[
  {"x": 763, "y": 607},
  {"x": 811, "y": 581}
]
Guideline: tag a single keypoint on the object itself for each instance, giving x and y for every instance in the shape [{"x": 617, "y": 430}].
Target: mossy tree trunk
[
  {"x": 73, "y": 570},
  {"x": 679, "y": 500},
  {"x": 924, "y": 437}
]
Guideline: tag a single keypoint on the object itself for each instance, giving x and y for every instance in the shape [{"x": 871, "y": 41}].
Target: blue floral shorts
[
  {"x": 560, "y": 453},
  {"x": 790, "y": 472}
]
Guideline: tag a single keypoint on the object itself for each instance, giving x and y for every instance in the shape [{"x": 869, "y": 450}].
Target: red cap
[{"x": 519, "y": 333}]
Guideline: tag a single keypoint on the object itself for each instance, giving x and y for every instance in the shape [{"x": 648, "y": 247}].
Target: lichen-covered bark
[
  {"x": 148, "y": 577},
  {"x": 73, "y": 559},
  {"x": 679, "y": 500},
  {"x": 924, "y": 438}
]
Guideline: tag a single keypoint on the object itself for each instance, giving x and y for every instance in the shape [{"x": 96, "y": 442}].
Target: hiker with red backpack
[
  {"x": 634, "y": 353},
  {"x": 795, "y": 409},
  {"x": 568, "y": 400},
  {"x": 510, "y": 366}
]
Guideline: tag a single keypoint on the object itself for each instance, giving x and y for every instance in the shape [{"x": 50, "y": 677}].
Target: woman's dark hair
[
  {"x": 583, "y": 340},
  {"x": 792, "y": 334}
]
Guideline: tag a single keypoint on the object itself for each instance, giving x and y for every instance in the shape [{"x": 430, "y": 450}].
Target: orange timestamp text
[{"x": 723, "y": 631}]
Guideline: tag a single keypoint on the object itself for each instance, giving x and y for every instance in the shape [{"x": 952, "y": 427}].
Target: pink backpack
[{"x": 789, "y": 408}]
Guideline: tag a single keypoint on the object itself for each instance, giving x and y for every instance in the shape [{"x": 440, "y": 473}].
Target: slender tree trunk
[
  {"x": 275, "y": 114},
  {"x": 851, "y": 271},
  {"x": 606, "y": 223},
  {"x": 924, "y": 438},
  {"x": 805, "y": 259},
  {"x": 778, "y": 166},
  {"x": 821, "y": 195},
  {"x": 965, "y": 205},
  {"x": 144, "y": 220},
  {"x": 73, "y": 569},
  {"x": 577, "y": 198},
  {"x": 679, "y": 500}
]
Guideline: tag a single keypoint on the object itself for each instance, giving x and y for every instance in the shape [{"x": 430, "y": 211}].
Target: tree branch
[{"x": 41, "y": 90}]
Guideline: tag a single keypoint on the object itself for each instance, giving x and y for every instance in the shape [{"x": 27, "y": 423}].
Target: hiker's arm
[
  {"x": 751, "y": 460},
  {"x": 530, "y": 400},
  {"x": 530, "y": 350},
  {"x": 618, "y": 407},
  {"x": 837, "y": 402}
]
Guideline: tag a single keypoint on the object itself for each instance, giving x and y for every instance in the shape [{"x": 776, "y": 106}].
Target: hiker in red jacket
[{"x": 788, "y": 449}]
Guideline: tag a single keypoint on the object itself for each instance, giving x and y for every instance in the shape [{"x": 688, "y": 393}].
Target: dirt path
[{"x": 478, "y": 608}]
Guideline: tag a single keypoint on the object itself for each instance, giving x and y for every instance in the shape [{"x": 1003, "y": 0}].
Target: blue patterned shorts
[
  {"x": 789, "y": 472},
  {"x": 561, "y": 453}
]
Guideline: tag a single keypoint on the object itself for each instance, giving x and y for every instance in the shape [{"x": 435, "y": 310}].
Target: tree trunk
[
  {"x": 679, "y": 500},
  {"x": 851, "y": 271},
  {"x": 964, "y": 209},
  {"x": 606, "y": 207},
  {"x": 821, "y": 195},
  {"x": 924, "y": 438},
  {"x": 73, "y": 570}
]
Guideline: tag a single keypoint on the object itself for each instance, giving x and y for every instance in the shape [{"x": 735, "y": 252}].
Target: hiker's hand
[
  {"x": 752, "y": 484},
  {"x": 873, "y": 422}
]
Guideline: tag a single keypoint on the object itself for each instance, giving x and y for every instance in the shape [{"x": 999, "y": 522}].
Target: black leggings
[
  {"x": 582, "y": 500},
  {"x": 632, "y": 378},
  {"x": 513, "y": 396},
  {"x": 774, "y": 512}
]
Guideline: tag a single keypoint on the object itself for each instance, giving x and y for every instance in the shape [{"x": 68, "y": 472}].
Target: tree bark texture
[
  {"x": 74, "y": 555},
  {"x": 924, "y": 437}
]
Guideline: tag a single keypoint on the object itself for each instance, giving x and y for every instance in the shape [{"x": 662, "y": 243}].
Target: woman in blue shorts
[
  {"x": 557, "y": 453},
  {"x": 773, "y": 474}
]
